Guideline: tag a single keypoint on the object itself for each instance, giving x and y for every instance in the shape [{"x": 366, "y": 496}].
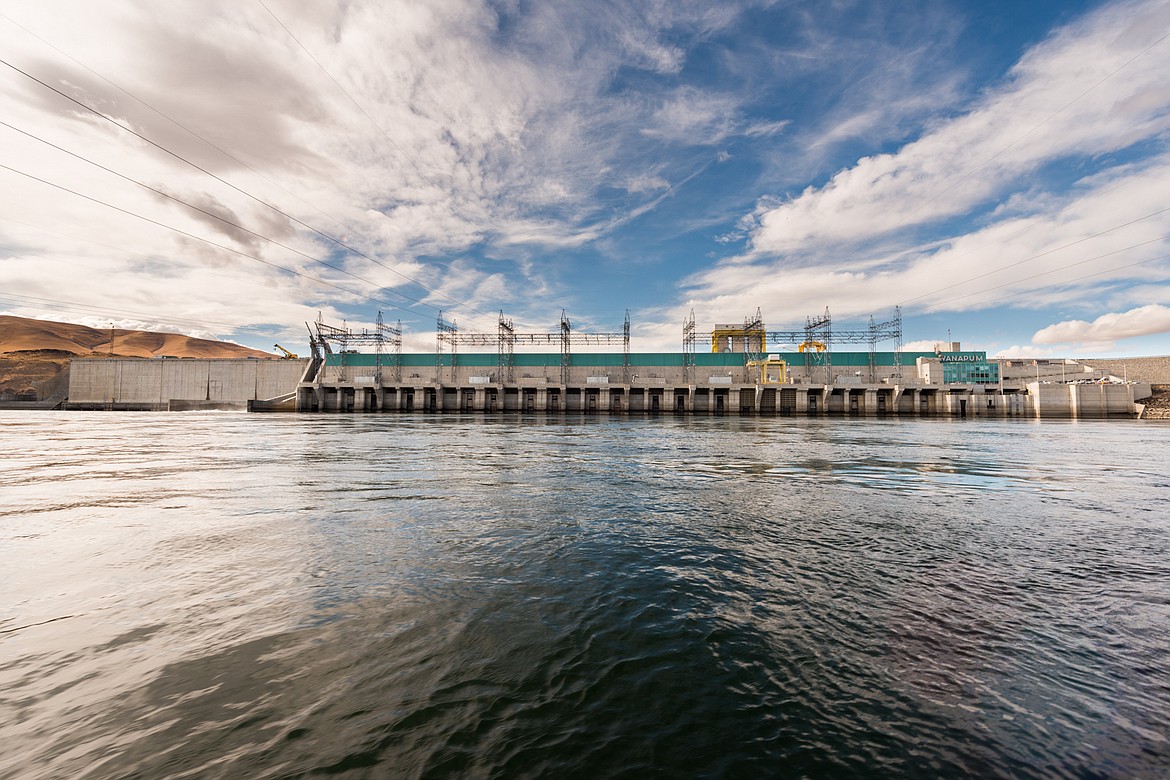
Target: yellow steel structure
[
  {"x": 737, "y": 338},
  {"x": 819, "y": 346},
  {"x": 773, "y": 371}
]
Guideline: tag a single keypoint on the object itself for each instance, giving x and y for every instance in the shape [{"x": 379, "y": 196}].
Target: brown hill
[
  {"x": 18, "y": 334},
  {"x": 34, "y": 353}
]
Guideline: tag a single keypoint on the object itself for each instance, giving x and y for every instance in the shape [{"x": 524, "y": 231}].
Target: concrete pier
[{"x": 1086, "y": 401}]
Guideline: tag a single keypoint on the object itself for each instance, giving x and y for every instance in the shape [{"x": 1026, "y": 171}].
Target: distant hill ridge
[{"x": 18, "y": 334}]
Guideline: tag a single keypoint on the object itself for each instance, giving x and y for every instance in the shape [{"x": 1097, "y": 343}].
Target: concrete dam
[
  {"x": 727, "y": 383},
  {"x": 180, "y": 384}
]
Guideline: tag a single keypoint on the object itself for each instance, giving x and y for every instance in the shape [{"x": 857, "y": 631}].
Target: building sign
[{"x": 968, "y": 368}]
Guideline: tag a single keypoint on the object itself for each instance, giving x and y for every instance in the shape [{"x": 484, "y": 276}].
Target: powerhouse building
[{"x": 841, "y": 383}]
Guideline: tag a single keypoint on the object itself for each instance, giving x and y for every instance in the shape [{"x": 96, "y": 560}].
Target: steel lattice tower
[
  {"x": 689, "y": 348},
  {"x": 506, "y": 343},
  {"x": 566, "y": 355},
  {"x": 626, "y": 349}
]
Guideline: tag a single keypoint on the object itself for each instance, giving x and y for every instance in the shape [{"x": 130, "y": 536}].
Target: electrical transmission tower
[
  {"x": 506, "y": 344},
  {"x": 345, "y": 338},
  {"x": 626, "y": 349},
  {"x": 506, "y": 337},
  {"x": 445, "y": 334},
  {"x": 689, "y": 348},
  {"x": 566, "y": 342},
  {"x": 817, "y": 338}
]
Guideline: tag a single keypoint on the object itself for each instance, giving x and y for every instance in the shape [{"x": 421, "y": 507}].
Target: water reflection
[{"x": 274, "y": 596}]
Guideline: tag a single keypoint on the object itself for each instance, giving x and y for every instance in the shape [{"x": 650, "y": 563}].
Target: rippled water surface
[{"x": 230, "y": 595}]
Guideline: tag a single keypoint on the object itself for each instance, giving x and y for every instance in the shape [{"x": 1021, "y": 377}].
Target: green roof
[{"x": 614, "y": 359}]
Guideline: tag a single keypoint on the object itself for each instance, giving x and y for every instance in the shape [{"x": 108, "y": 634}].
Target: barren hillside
[
  {"x": 36, "y": 351},
  {"x": 18, "y": 334}
]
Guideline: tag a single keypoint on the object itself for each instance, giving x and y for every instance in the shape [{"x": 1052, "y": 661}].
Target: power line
[
  {"x": 261, "y": 201},
  {"x": 1097, "y": 195},
  {"x": 120, "y": 250},
  {"x": 172, "y": 120},
  {"x": 213, "y": 215},
  {"x": 1043, "y": 254},
  {"x": 971, "y": 172},
  {"x": 32, "y": 300},
  {"x": 399, "y": 149},
  {"x": 1065, "y": 268},
  {"x": 204, "y": 240}
]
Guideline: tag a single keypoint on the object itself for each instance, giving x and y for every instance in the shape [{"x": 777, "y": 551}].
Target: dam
[
  {"x": 740, "y": 375},
  {"x": 713, "y": 384},
  {"x": 600, "y": 383}
]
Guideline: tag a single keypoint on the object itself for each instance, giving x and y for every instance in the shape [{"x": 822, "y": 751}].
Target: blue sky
[{"x": 998, "y": 169}]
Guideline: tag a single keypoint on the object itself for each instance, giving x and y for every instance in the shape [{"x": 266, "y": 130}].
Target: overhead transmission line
[
  {"x": 29, "y": 300},
  {"x": 120, "y": 250},
  {"x": 247, "y": 194},
  {"x": 954, "y": 183},
  {"x": 1044, "y": 254},
  {"x": 972, "y": 171},
  {"x": 204, "y": 240},
  {"x": 236, "y": 159},
  {"x": 174, "y": 121},
  {"x": 385, "y": 135},
  {"x": 1065, "y": 268},
  {"x": 213, "y": 215}
]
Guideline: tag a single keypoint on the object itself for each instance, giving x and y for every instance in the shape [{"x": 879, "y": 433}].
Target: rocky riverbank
[{"x": 1158, "y": 405}]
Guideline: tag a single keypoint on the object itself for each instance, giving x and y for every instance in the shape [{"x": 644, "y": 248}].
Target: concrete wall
[
  {"x": 1086, "y": 401},
  {"x": 145, "y": 383}
]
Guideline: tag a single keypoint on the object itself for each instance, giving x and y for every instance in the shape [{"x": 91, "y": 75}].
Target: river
[{"x": 232, "y": 595}]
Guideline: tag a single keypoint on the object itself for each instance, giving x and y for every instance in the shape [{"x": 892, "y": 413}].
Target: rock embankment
[
  {"x": 1158, "y": 404},
  {"x": 23, "y": 375},
  {"x": 1155, "y": 370}
]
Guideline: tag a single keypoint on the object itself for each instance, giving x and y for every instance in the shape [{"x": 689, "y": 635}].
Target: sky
[{"x": 235, "y": 170}]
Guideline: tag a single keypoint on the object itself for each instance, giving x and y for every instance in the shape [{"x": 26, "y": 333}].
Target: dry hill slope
[
  {"x": 35, "y": 351},
  {"x": 18, "y": 334}
]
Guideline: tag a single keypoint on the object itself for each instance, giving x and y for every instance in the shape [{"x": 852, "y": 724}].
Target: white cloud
[
  {"x": 647, "y": 183},
  {"x": 1108, "y": 328},
  {"x": 762, "y": 129},
  {"x": 507, "y": 140},
  {"x": 488, "y": 125},
  {"x": 1080, "y": 245},
  {"x": 1024, "y": 351},
  {"x": 1051, "y": 107},
  {"x": 925, "y": 345}
]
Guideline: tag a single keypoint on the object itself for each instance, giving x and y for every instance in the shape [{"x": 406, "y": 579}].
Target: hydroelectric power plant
[
  {"x": 744, "y": 372},
  {"x": 741, "y": 369}
]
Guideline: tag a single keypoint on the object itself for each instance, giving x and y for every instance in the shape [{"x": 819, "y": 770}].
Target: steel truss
[
  {"x": 345, "y": 338},
  {"x": 506, "y": 337},
  {"x": 819, "y": 331},
  {"x": 688, "y": 349},
  {"x": 626, "y": 349},
  {"x": 755, "y": 341}
]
